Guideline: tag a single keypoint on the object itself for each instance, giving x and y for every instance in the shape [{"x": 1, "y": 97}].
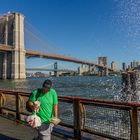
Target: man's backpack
[{"x": 28, "y": 108}]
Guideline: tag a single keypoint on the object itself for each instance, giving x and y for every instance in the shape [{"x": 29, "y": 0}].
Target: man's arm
[
  {"x": 31, "y": 104},
  {"x": 55, "y": 109}
]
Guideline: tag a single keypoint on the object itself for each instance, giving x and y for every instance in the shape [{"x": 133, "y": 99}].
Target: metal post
[
  {"x": 77, "y": 119},
  {"x": 17, "y": 107},
  {"x": 134, "y": 124}
]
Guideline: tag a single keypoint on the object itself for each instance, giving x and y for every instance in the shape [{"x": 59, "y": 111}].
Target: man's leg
[{"x": 44, "y": 132}]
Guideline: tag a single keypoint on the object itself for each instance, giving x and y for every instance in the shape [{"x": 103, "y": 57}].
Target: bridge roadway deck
[
  {"x": 11, "y": 130},
  {"x": 31, "y": 53}
]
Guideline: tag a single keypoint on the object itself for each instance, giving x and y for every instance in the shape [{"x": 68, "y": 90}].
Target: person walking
[{"x": 47, "y": 109}]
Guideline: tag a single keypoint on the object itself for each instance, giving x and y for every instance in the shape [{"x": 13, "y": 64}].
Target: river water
[{"x": 108, "y": 87}]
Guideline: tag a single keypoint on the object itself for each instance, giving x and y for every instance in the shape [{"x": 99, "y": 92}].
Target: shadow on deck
[
  {"x": 3, "y": 137},
  {"x": 12, "y": 130}
]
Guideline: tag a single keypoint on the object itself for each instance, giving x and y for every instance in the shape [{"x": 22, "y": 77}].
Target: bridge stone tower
[
  {"x": 18, "y": 55},
  {"x": 13, "y": 63},
  {"x": 55, "y": 69}
]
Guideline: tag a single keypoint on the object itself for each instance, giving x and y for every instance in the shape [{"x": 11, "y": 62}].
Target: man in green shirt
[{"x": 48, "y": 108}]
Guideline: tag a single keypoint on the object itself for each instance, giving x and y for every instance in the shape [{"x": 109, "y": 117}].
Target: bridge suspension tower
[{"x": 12, "y": 34}]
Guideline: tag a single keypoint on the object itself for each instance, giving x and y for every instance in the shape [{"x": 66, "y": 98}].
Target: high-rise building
[
  {"x": 124, "y": 66},
  {"x": 113, "y": 65},
  {"x": 137, "y": 63},
  {"x": 102, "y": 61},
  {"x": 131, "y": 64},
  {"x": 134, "y": 64}
]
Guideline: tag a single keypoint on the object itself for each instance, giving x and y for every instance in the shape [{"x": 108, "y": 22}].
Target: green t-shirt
[{"x": 47, "y": 101}]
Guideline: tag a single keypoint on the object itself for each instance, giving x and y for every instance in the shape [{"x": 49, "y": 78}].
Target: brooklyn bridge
[{"x": 13, "y": 52}]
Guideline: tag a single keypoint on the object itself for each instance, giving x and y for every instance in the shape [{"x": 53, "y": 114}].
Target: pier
[{"x": 97, "y": 118}]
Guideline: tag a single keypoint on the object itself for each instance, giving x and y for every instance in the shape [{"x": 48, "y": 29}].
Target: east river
[{"x": 108, "y": 87}]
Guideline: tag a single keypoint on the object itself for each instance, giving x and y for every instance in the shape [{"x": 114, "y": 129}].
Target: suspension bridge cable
[
  {"x": 44, "y": 66},
  {"x": 33, "y": 36},
  {"x": 30, "y": 29},
  {"x": 65, "y": 66},
  {"x": 36, "y": 41}
]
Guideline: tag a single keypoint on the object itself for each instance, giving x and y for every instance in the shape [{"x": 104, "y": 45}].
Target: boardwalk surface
[{"x": 10, "y": 130}]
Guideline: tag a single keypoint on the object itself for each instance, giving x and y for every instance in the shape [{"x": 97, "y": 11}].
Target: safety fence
[{"x": 109, "y": 119}]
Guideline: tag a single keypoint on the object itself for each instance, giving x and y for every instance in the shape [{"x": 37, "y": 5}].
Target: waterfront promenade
[
  {"x": 85, "y": 117},
  {"x": 11, "y": 130}
]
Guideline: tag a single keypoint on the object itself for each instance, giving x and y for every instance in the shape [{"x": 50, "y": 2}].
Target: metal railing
[{"x": 109, "y": 119}]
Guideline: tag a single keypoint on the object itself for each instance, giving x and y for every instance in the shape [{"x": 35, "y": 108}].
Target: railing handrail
[{"x": 82, "y": 99}]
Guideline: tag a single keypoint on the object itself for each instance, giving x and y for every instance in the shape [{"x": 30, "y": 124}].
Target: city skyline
[{"x": 84, "y": 29}]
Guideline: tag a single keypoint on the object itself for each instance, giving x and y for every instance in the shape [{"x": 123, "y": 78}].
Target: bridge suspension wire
[
  {"x": 46, "y": 66},
  {"x": 52, "y": 66},
  {"x": 34, "y": 39},
  {"x": 61, "y": 66}
]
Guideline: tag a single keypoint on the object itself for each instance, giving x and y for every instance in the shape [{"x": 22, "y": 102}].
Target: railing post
[
  {"x": 77, "y": 119},
  {"x": 0, "y": 103},
  {"x": 134, "y": 124},
  {"x": 17, "y": 107}
]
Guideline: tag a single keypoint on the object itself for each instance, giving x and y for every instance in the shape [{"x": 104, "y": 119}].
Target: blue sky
[{"x": 84, "y": 29}]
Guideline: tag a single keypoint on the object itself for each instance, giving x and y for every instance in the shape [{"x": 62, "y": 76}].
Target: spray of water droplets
[
  {"x": 128, "y": 17},
  {"x": 126, "y": 20}
]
